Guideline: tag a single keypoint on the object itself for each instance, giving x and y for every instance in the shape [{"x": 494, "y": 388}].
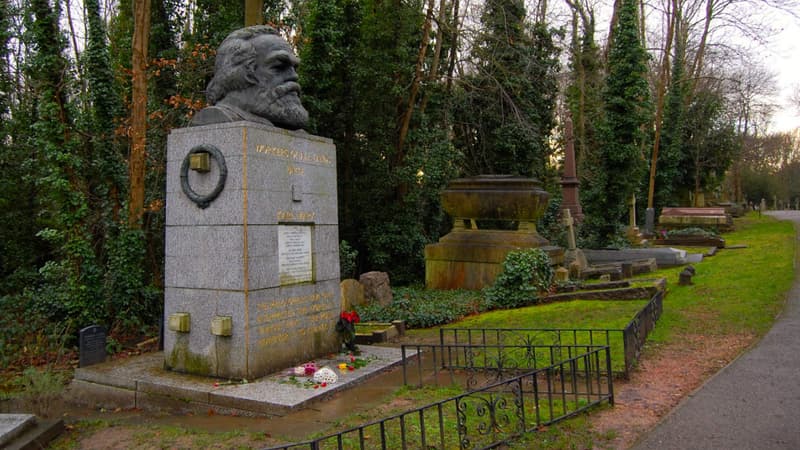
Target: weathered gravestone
[
  {"x": 91, "y": 345},
  {"x": 252, "y": 253}
]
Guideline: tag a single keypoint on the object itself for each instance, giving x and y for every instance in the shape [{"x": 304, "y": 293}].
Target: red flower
[{"x": 350, "y": 316}]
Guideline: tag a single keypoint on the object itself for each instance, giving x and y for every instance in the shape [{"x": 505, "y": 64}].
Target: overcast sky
[{"x": 786, "y": 63}]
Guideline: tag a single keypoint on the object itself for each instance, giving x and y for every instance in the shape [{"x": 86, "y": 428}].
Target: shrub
[
  {"x": 525, "y": 274},
  {"x": 421, "y": 308},
  {"x": 693, "y": 231}
]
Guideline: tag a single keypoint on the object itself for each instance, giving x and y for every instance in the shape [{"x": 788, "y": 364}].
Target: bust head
[{"x": 255, "y": 78}]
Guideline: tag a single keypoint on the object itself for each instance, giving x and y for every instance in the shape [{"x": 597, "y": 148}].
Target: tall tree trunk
[
  {"x": 141, "y": 34},
  {"x": 253, "y": 14},
  {"x": 412, "y": 96},
  {"x": 611, "y": 26},
  {"x": 437, "y": 54},
  {"x": 661, "y": 88},
  {"x": 451, "y": 65},
  {"x": 697, "y": 66}
]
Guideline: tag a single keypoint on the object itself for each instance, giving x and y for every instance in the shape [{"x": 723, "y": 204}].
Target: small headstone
[
  {"x": 685, "y": 277},
  {"x": 627, "y": 269},
  {"x": 562, "y": 275},
  {"x": 649, "y": 221},
  {"x": 377, "y": 287},
  {"x": 92, "y": 345},
  {"x": 352, "y": 294},
  {"x": 575, "y": 270}
]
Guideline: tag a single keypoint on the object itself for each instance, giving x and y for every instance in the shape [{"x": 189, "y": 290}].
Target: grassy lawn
[{"x": 737, "y": 291}]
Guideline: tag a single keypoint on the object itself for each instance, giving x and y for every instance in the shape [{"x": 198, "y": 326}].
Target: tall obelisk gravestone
[{"x": 252, "y": 256}]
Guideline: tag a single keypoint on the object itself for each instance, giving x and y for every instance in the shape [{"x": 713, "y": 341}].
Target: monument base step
[
  {"x": 25, "y": 431},
  {"x": 142, "y": 383}
]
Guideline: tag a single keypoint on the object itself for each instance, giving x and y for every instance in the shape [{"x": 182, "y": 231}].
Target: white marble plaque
[{"x": 295, "y": 264}]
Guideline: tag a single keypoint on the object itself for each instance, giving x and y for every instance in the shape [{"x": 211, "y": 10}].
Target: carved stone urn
[{"x": 492, "y": 215}]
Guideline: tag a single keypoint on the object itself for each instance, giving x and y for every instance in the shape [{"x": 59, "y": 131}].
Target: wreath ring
[{"x": 204, "y": 200}]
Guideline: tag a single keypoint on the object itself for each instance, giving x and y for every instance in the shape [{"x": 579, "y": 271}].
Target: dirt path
[{"x": 666, "y": 375}]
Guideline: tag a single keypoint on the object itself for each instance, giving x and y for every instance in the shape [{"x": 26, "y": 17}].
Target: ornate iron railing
[{"x": 491, "y": 415}]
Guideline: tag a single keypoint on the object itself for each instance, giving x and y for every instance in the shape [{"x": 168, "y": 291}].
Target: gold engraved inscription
[
  {"x": 278, "y": 320},
  {"x": 294, "y": 170},
  {"x": 299, "y": 216},
  {"x": 294, "y": 155}
]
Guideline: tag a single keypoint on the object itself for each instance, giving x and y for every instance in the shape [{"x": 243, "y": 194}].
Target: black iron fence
[
  {"x": 490, "y": 415},
  {"x": 626, "y": 344},
  {"x": 636, "y": 332},
  {"x": 517, "y": 381},
  {"x": 475, "y": 365}
]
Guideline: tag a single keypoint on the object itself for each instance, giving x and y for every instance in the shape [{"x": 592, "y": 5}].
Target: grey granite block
[{"x": 13, "y": 425}]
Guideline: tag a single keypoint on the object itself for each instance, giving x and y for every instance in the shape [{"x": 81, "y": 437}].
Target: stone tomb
[
  {"x": 672, "y": 218},
  {"x": 251, "y": 274}
]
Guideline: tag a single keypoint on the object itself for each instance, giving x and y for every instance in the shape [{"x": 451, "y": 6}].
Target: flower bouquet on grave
[{"x": 346, "y": 327}]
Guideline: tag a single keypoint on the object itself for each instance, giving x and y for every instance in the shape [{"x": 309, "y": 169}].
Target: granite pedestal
[{"x": 252, "y": 275}]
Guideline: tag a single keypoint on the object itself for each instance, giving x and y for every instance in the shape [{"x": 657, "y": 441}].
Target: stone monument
[
  {"x": 569, "y": 180},
  {"x": 251, "y": 255}
]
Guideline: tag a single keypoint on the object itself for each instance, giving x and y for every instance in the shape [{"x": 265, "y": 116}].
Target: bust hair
[{"x": 235, "y": 62}]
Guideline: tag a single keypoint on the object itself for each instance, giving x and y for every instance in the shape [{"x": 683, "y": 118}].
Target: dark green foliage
[
  {"x": 620, "y": 164},
  {"x": 358, "y": 61},
  {"x": 526, "y": 274},
  {"x": 710, "y": 141},
  {"x": 504, "y": 112},
  {"x": 214, "y": 20},
  {"x": 421, "y": 308}
]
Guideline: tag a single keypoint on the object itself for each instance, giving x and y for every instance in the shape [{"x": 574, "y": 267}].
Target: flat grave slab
[
  {"x": 665, "y": 257},
  {"x": 142, "y": 382}
]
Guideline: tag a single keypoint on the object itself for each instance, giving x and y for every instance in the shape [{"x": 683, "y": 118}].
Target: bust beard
[{"x": 280, "y": 105}]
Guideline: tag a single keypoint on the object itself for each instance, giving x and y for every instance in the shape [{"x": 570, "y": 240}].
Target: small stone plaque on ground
[
  {"x": 92, "y": 345},
  {"x": 294, "y": 254}
]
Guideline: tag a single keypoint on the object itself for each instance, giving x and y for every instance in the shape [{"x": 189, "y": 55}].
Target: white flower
[{"x": 325, "y": 375}]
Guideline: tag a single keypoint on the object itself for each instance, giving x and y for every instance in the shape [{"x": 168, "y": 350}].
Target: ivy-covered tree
[
  {"x": 710, "y": 142},
  {"x": 504, "y": 120},
  {"x": 624, "y": 133},
  {"x": 21, "y": 252},
  {"x": 70, "y": 275},
  {"x": 670, "y": 168}
]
